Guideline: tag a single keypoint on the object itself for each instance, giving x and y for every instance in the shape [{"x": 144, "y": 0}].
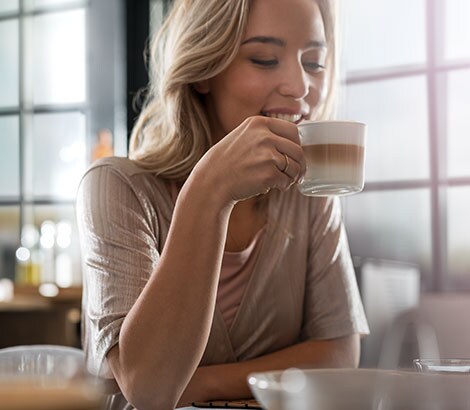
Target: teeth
[{"x": 285, "y": 117}]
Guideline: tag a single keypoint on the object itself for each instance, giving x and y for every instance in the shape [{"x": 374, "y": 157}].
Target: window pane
[
  {"x": 59, "y": 57},
  {"x": 458, "y": 242},
  {"x": 39, "y": 4},
  {"x": 382, "y": 33},
  {"x": 9, "y": 156},
  {"x": 458, "y": 120},
  {"x": 457, "y": 43},
  {"x": 397, "y": 142},
  {"x": 396, "y": 226},
  {"x": 59, "y": 154},
  {"x": 9, "y": 52},
  {"x": 156, "y": 14},
  {"x": 7, "y": 6},
  {"x": 9, "y": 239}
]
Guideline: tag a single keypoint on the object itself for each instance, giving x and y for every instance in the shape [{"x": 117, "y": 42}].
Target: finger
[
  {"x": 295, "y": 157},
  {"x": 283, "y": 182},
  {"x": 290, "y": 167},
  {"x": 290, "y": 143},
  {"x": 293, "y": 150},
  {"x": 284, "y": 129},
  {"x": 286, "y": 135},
  {"x": 281, "y": 174}
]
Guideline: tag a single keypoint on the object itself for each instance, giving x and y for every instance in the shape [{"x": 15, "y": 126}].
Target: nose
[{"x": 295, "y": 82}]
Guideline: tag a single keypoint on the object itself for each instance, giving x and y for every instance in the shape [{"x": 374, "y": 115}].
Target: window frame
[
  {"x": 433, "y": 69},
  {"x": 25, "y": 109},
  {"x": 103, "y": 106}
]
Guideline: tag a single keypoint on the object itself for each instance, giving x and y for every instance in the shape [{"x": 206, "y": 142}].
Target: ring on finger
[{"x": 286, "y": 167}]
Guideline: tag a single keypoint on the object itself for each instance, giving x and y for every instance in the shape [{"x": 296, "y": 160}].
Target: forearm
[
  {"x": 229, "y": 381},
  {"x": 164, "y": 335}
]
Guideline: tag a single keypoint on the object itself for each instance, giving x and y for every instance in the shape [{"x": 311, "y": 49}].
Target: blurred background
[{"x": 71, "y": 69}]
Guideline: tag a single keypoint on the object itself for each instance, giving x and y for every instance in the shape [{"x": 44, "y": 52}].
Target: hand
[{"x": 252, "y": 159}]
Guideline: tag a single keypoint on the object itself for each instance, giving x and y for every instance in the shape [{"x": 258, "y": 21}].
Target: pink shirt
[{"x": 234, "y": 276}]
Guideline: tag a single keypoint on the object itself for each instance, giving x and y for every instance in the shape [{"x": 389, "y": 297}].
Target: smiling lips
[{"x": 295, "y": 118}]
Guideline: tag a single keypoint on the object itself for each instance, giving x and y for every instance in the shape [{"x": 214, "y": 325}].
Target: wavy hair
[{"x": 198, "y": 40}]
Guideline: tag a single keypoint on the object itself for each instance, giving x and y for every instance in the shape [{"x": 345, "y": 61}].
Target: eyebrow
[
  {"x": 265, "y": 40},
  {"x": 281, "y": 43}
]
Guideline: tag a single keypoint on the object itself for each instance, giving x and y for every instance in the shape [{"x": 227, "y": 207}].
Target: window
[
  {"x": 42, "y": 124},
  {"x": 410, "y": 82},
  {"x": 55, "y": 98}
]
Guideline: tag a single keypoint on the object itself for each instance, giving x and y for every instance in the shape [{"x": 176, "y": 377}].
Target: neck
[{"x": 247, "y": 218}]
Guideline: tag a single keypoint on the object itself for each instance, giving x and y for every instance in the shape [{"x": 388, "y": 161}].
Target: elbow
[
  {"x": 142, "y": 389},
  {"x": 134, "y": 390},
  {"x": 343, "y": 352},
  {"x": 144, "y": 394},
  {"x": 354, "y": 361},
  {"x": 351, "y": 348},
  {"x": 155, "y": 384}
]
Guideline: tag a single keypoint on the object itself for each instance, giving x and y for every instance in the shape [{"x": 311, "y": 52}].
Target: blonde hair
[{"x": 198, "y": 40}]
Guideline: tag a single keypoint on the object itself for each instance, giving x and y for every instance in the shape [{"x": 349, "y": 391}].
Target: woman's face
[{"x": 279, "y": 71}]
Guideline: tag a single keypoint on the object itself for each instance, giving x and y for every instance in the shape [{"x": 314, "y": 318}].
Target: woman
[{"x": 203, "y": 263}]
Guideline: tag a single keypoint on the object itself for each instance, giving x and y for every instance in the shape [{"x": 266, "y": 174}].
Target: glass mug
[
  {"x": 443, "y": 366},
  {"x": 335, "y": 155}
]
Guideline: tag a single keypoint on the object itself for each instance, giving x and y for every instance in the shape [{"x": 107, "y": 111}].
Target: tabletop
[
  {"x": 224, "y": 404},
  {"x": 199, "y": 408}
]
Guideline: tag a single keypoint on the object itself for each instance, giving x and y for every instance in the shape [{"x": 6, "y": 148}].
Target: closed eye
[
  {"x": 264, "y": 63},
  {"x": 314, "y": 66}
]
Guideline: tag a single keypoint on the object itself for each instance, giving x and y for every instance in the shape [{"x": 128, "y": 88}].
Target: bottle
[
  {"x": 28, "y": 257},
  {"x": 63, "y": 261},
  {"x": 47, "y": 244}
]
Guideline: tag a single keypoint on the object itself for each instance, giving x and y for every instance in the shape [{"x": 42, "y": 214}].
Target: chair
[
  {"x": 387, "y": 289},
  {"x": 439, "y": 327}
]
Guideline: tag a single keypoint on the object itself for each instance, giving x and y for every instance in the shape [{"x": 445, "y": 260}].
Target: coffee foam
[{"x": 332, "y": 132}]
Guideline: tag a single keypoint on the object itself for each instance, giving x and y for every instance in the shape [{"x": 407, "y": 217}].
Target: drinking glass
[{"x": 447, "y": 366}]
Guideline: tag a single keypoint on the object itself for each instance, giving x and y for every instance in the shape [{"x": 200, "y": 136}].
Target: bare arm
[
  {"x": 160, "y": 345},
  {"x": 229, "y": 381}
]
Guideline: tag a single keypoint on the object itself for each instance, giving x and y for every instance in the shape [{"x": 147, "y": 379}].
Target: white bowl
[{"x": 359, "y": 389}]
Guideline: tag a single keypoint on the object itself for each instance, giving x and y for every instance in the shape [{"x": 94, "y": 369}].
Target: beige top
[{"x": 302, "y": 286}]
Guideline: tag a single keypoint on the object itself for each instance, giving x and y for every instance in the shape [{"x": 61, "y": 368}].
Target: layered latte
[{"x": 334, "y": 152}]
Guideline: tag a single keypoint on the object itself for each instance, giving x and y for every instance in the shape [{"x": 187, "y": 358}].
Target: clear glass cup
[
  {"x": 443, "y": 366},
  {"x": 334, "y": 153},
  {"x": 442, "y": 383}
]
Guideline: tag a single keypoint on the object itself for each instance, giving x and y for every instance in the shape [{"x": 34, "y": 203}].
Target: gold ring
[{"x": 287, "y": 163}]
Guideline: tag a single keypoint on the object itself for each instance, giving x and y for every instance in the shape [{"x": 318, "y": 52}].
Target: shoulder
[
  {"x": 117, "y": 165},
  {"x": 124, "y": 169},
  {"x": 118, "y": 178}
]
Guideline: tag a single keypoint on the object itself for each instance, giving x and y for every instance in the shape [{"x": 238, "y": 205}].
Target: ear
[{"x": 202, "y": 87}]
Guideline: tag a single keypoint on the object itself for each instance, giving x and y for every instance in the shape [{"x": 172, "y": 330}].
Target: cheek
[{"x": 250, "y": 89}]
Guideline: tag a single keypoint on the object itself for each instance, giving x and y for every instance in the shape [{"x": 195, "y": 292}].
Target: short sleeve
[
  {"x": 119, "y": 253},
  {"x": 333, "y": 306}
]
